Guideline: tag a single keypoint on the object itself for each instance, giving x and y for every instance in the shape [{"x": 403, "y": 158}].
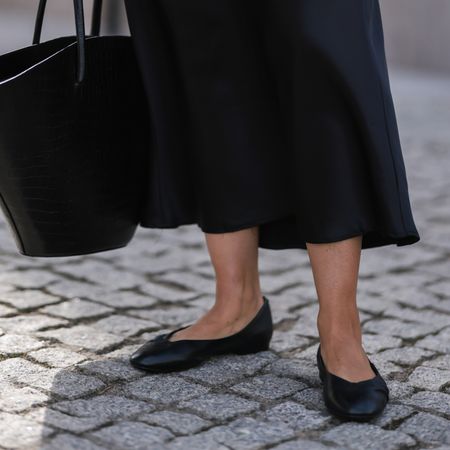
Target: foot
[
  {"x": 222, "y": 321},
  {"x": 346, "y": 359}
]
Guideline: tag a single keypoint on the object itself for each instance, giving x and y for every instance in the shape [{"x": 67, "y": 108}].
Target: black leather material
[
  {"x": 162, "y": 355},
  {"x": 74, "y": 142},
  {"x": 360, "y": 401}
]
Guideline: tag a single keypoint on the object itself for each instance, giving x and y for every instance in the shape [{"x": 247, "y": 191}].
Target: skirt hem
[{"x": 372, "y": 237}]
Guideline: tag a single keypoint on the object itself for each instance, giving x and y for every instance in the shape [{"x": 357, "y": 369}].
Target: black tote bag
[{"x": 73, "y": 141}]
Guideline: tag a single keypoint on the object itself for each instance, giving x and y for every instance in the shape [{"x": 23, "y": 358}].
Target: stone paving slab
[{"x": 68, "y": 326}]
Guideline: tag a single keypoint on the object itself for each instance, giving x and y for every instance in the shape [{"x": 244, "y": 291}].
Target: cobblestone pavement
[{"x": 67, "y": 326}]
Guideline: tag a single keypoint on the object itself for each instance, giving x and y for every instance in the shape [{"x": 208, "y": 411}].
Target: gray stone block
[
  {"x": 296, "y": 416},
  {"x": 17, "y": 399},
  {"x": 123, "y": 299},
  {"x": 373, "y": 343},
  {"x": 303, "y": 444},
  {"x": 76, "y": 309},
  {"x": 399, "y": 390},
  {"x": 229, "y": 368},
  {"x": 17, "y": 344},
  {"x": 70, "y": 442},
  {"x": 17, "y": 432},
  {"x": 57, "y": 357},
  {"x": 355, "y": 436},
  {"x": 405, "y": 355},
  {"x": 311, "y": 398},
  {"x": 65, "y": 422},
  {"x": 202, "y": 441},
  {"x": 166, "y": 293},
  {"x": 268, "y": 387},
  {"x": 219, "y": 406},
  {"x": 169, "y": 316},
  {"x": 427, "y": 428},
  {"x": 392, "y": 414},
  {"x": 29, "y": 323},
  {"x": 429, "y": 378},
  {"x": 301, "y": 369},
  {"x": 84, "y": 337},
  {"x": 435, "y": 402},
  {"x": 288, "y": 341},
  {"x": 439, "y": 342},
  {"x": 247, "y": 433},
  {"x": 29, "y": 278},
  {"x": 441, "y": 362},
  {"x": 110, "y": 407},
  {"x": 178, "y": 423},
  {"x": 133, "y": 435},
  {"x": 101, "y": 273},
  {"x": 124, "y": 325},
  {"x": 110, "y": 370},
  {"x": 395, "y": 327},
  {"x": 164, "y": 389},
  {"x": 28, "y": 299}
]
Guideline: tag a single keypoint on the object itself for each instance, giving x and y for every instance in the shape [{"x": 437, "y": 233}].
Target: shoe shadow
[{"x": 105, "y": 403}]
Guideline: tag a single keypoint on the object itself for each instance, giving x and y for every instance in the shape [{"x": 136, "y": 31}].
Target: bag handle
[{"x": 80, "y": 30}]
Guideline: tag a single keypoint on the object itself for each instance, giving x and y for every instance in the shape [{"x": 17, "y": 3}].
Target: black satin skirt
[{"x": 271, "y": 113}]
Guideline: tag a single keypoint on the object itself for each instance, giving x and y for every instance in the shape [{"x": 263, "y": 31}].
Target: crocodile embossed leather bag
[{"x": 74, "y": 141}]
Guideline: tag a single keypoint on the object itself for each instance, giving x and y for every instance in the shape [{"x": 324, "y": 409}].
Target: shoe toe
[
  {"x": 161, "y": 355},
  {"x": 369, "y": 405},
  {"x": 149, "y": 355},
  {"x": 360, "y": 401}
]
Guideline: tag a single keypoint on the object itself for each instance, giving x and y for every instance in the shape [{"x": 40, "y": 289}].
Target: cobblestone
[
  {"x": 427, "y": 428},
  {"x": 229, "y": 368},
  {"x": 13, "y": 399},
  {"x": 429, "y": 378},
  {"x": 220, "y": 406},
  {"x": 65, "y": 422},
  {"x": 135, "y": 435},
  {"x": 106, "y": 407},
  {"x": 28, "y": 323},
  {"x": 396, "y": 327},
  {"x": 124, "y": 325},
  {"x": 57, "y": 357},
  {"x": 164, "y": 389},
  {"x": 357, "y": 436},
  {"x": 436, "y": 402},
  {"x": 439, "y": 342},
  {"x": 247, "y": 433},
  {"x": 179, "y": 423},
  {"x": 34, "y": 279},
  {"x": 28, "y": 299},
  {"x": 268, "y": 387},
  {"x": 18, "y": 432},
  {"x": 296, "y": 416},
  {"x": 110, "y": 370},
  {"x": 170, "y": 316},
  {"x": 69, "y": 325},
  {"x": 14, "y": 344},
  {"x": 71, "y": 442},
  {"x": 83, "y": 336},
  {"x": 76, "y": 309},
  {"x": 405, "y": 355}
]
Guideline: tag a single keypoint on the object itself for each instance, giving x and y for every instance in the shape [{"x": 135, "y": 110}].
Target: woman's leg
[
  {"x": 234, "y": 257},
  {"x": 335, "y": 269}
]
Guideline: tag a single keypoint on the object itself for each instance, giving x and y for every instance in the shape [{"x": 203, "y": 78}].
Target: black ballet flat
[
  {"x": 162, "y": 355},
  {"x": 346, "y": 400}
]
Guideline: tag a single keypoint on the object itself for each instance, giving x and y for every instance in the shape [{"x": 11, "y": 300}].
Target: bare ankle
[{"x": 236, "y": 307}]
